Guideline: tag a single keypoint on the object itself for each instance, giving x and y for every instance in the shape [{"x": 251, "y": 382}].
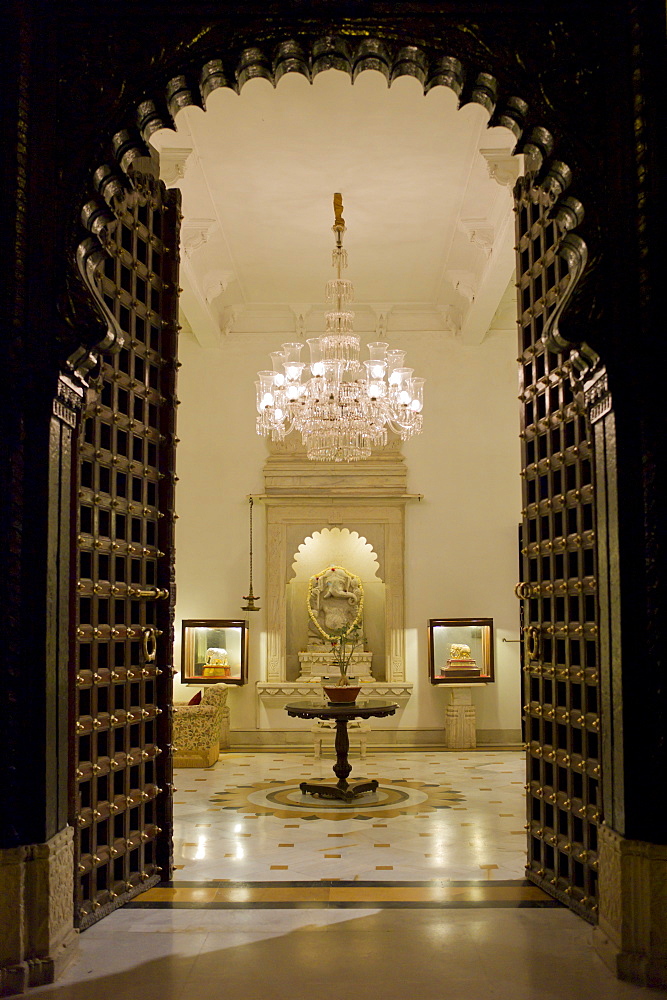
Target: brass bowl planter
[{"x": 341, "y": 694}]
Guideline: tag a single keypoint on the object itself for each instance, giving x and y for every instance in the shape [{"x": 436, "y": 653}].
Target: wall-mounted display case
[
  {"x": 460, "y": 650},
  {"x": 214, "y": 651}
]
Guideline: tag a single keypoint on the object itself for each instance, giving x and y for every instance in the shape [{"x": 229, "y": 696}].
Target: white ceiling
[{"x": 426, "y": 190}]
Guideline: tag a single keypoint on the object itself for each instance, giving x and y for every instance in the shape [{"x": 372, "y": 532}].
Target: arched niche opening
[{"x": 336, "y": 547}]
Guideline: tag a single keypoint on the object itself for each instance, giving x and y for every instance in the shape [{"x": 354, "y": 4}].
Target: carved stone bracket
[
  {"x": 195, "y": 233},
  {"x": 463, "y": 282},
  {"x": 480, "y": 232},
  {"x": 503, "y": 166},
  {"x": 173, "y": 162},
  {"x": 68, "y": 401}
]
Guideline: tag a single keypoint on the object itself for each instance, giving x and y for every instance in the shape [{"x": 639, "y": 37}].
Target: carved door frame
[{"x": 351, "y": 55}]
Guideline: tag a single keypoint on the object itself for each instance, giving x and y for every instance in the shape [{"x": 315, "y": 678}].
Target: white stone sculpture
[
  {"x": 335, "y": 601},
  {"x": 216, "y": 657}
]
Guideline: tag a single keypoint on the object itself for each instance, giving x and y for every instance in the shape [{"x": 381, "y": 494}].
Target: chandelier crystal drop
[{"x": 339, "y": 405}]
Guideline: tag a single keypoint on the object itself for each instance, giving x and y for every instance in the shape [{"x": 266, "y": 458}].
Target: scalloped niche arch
[{"x": 342, "y": 547}]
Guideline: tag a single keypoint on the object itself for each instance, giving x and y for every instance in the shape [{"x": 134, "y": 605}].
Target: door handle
[
  {"x": 533, "y": 640},
  {"x": 149, "y": 594},
  {"x": 150, "y": 644}
]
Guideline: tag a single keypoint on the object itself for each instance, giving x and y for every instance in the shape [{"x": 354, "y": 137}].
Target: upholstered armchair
[{"x": 201, "y": 730}]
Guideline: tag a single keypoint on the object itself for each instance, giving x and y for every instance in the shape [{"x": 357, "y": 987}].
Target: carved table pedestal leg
[{"x": 342, "y": 789}]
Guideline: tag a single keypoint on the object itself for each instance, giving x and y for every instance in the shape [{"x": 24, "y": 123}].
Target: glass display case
[
  {"x": 460, "y": 650},
  {"x": 214, "y": 651}
]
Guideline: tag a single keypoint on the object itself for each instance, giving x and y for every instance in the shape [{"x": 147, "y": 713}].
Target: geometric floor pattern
[
  {"x": 452, "y": 815},
  {"x": 418, "y": 892}
]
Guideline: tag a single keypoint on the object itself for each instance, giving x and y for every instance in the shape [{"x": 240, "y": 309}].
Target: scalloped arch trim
[
  {"x": 338, "y": 546},
  {"x": 350, "y": 54}
]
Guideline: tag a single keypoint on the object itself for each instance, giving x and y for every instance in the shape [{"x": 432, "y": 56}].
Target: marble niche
[
  {"x": 348, "y": 515},
  {"x": 335, "y": 598}
]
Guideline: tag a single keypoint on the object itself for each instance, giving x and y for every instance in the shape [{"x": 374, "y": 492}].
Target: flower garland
[{"x": 357, "y": 621}]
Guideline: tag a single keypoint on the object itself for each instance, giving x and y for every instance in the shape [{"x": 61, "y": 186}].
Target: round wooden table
[{"x": 361, "y": 709}]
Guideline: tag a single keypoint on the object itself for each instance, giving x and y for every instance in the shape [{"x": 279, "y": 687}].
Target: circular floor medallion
[
  {"x": 285, "y": 799},
  {"x": 291, "y": 797}
]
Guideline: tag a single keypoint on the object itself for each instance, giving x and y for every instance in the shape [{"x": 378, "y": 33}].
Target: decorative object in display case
[
  {"x": 460, "y": 650},
  {"x": 214, "y": 651}
]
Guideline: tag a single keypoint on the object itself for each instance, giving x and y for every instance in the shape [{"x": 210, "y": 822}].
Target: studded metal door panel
[
  {"x": 558, "y": 588},
  {"x": 125, "y": 567}
]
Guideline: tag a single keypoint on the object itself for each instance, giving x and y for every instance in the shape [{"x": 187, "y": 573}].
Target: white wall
[{"x": 461, "y": 539}]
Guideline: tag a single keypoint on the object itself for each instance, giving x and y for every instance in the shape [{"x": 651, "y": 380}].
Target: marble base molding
[
  {"x": 384, "y": 739},
  {"x": 301, "y": 739},
  {"x": 38, "y": 939},
  {"x": 631, "y": 937}
]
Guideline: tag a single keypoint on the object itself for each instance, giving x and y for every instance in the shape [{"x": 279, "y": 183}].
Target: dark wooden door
[
  {"x": 558, "y": 583},
  {"x": 125, "y": 592}
]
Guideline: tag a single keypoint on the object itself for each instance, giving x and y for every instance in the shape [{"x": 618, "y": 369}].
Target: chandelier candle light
[{"x": 339, "y": 410}]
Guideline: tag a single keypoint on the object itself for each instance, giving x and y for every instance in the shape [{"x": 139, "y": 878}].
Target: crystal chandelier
[{"x": 339, "y": 410}]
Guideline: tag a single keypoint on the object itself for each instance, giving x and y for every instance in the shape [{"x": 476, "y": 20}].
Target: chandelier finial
[{"x": 339, "y": 221}]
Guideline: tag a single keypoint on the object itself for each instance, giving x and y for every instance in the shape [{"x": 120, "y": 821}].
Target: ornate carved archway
[
  {"x": 551, "y": 259},
  {"x": 353, "y": 53}
]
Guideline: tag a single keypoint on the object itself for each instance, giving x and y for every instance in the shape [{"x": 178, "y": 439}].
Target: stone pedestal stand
[{"x": 460, "y": 720}]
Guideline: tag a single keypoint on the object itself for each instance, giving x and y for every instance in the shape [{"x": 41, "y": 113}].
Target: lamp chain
[{"x": 250, "y": 597}]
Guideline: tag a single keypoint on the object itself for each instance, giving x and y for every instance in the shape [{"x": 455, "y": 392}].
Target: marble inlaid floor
[
  {"x": 456, "y": 815},
  {"x": 415, "y": 892}
]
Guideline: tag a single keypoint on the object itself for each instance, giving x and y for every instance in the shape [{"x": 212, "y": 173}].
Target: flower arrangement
[{"x": 343, "y": 644}]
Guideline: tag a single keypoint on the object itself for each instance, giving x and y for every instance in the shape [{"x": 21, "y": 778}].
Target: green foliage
[{"x": 343, "y": 644}]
